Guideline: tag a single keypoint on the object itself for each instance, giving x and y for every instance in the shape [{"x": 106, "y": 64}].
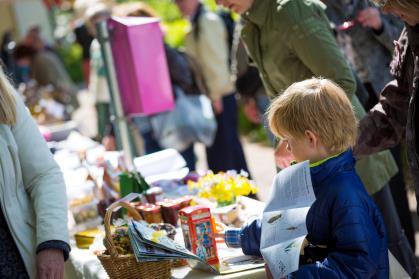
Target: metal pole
[{"x": 121, "y": 127}]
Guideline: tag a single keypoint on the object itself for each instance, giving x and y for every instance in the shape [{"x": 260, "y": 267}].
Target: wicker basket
[{"x": 126, "y": 266}]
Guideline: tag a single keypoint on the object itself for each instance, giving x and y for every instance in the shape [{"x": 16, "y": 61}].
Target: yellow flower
[{"x": 223, "y": 187}]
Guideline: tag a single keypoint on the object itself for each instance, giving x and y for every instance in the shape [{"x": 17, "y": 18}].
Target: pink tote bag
[{"x": 141, "y": 65}]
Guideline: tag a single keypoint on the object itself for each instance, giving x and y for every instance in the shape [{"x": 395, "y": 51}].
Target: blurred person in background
[
  {"x": 98, "y": 85},
  {"x": 47, "y": 69},
  {"x": 249, "y": 85},
  {"x": 33, "y": 204},
  {"x": 395, "y": 118},
  {"x": 290, "y": 41},
  {"x": 366, "y": 35},
  {"x": 84, "y": 39},
  {"x": 33, "y": 38},
  {"x": 83, "y": 36},
  {"x": 84, "y": 33},
  {"x": 207, "y": 43}
]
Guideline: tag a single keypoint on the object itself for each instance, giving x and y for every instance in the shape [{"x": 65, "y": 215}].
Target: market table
[{"x": 84, "y": 264}]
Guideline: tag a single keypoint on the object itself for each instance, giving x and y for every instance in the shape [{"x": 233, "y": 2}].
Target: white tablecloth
[{"x": 83, "y": 264}]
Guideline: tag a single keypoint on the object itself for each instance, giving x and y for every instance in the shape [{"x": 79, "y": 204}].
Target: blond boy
[{"x": 345, "y": 229}]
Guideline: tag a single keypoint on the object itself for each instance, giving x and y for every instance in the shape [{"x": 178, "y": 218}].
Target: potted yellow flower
[{"x": 224, "y": 188}]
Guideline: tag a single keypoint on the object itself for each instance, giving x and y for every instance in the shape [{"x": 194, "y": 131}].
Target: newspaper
[
  {"x": 149, "y": 245},
  {"x": 284, "y": 219}
]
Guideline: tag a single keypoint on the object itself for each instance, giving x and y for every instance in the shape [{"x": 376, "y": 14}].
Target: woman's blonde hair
[
  {"x": 318, "y": 105},
  {"x": 8, "y": 112}
]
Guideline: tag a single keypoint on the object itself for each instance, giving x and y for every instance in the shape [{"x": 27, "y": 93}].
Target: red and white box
[{"x": 199, "y": 233}]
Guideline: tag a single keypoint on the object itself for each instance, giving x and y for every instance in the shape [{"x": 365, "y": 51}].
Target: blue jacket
[{"x": 345, "y": 219}]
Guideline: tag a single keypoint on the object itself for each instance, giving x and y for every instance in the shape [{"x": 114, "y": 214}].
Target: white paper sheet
[{"x": 284, "y": 219}]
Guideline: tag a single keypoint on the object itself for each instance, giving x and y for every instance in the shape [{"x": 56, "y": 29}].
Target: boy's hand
[
  {"x": 283, "y": 157},
  {"x": 220, "y": 230},
  {"x": 303, "y": 246}
]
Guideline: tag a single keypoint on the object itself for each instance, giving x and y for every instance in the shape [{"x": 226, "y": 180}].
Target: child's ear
[{"x": 311, "y": 138}]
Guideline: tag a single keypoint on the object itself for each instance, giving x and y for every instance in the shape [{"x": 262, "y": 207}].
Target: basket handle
[{"x": 110, "y": 245}]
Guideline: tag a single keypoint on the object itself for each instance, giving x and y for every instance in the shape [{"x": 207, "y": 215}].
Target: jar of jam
[
  {"x": 170, "y": 211},
  {"x": 154, "y": 194},
  {"x": 151, "y": 213}
]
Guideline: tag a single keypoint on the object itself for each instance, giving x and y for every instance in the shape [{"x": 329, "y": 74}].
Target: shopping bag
[
  {"x": 140, "y": 65},
  {"x": 192, "y": 120}
]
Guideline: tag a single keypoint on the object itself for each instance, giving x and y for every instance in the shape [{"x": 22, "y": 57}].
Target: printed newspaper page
[{"x": 284, "y": 219}]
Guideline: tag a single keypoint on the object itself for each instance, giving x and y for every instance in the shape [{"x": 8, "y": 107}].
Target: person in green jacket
[{"x": 290, "y": 41}]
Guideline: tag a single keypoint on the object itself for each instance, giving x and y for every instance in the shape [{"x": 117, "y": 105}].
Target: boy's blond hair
[{"x": 318, "y": 105}]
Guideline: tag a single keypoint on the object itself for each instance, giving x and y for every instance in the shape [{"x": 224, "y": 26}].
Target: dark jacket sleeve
[
  {"x": 55, "y": 244},
  {"x": 353, "y": 256},
  {"x": 250, "y": 237},
  {"x": 392, "y": 27},
  {"x": 384, "y": 126}
]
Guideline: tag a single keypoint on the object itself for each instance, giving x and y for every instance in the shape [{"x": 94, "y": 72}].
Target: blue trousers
[{"x": 226, "y": 153}]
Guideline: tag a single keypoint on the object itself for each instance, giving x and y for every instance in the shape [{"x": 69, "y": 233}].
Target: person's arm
[
  {"x": 392, "y": 27},
  {"x": 213, "y": 55},
  {"x": 354, "y": 256},
  {"x": 385, "y": 27},
  {"x": 313, "y": 43},
  {"x": 43, "y": 182},
  {"x": 247, "y": 237},
  {"x": 384, "y": 126}
]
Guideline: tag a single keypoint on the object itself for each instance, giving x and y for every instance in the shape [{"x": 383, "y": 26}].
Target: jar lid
[
  {"x": 152, "y": 209},
  {"x": 154, "y": 191}
]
